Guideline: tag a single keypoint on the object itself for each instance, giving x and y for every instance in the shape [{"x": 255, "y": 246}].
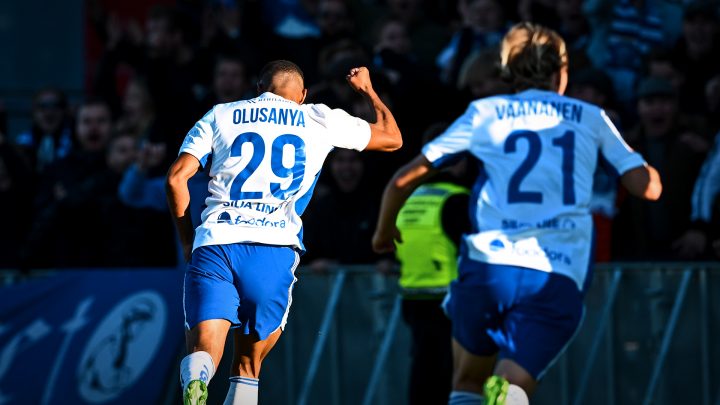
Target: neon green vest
[{"x": 427, "y": 255}]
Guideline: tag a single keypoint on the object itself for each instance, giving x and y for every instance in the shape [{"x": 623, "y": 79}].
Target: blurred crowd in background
[{"x": 83, "y": 185}]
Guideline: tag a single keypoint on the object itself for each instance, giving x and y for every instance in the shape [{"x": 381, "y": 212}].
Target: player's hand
[
  {"x": 359, "y": 79},
  {"x": 383, "y": 241}
]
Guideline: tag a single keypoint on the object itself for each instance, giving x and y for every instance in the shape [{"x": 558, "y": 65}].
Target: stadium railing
[{"x": 651, "y": 334}]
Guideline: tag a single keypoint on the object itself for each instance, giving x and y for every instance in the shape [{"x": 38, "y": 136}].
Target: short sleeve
[
  {"x": 343, "y": 130},
  {"x": 614, "y": 149},
  {"x": 455, "y": 141},
  {"x": 198, "y": 141}
]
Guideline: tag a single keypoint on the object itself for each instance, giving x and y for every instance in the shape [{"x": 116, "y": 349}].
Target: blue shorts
[
  {"x": 250, "y": 285},
  {"x": 525, "y": 315}
]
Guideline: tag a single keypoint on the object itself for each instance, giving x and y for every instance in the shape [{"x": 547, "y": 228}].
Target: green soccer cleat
[
  {"x": 196, "y": 393},
  {"x": 495, "y": 390}
]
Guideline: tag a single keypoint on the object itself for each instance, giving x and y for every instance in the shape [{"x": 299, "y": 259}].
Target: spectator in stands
[
  {"x": 697, "y": 241},
  {"x": 702, "y": 238},
  {"x": 142, "y": 191},
  {"x": 138, "y": 111},
  {"x": 335, "y": 21},
  {"x": 226, "y": 29},
  {"x": 334, "y": 62},
  {"x": 392, "y": 52},
  {"x": 660, "y": 63},
  {"x": 58, "y": 237},
  {"x": 574, "y": 26},
  {"x": 427, "y": 37},
  {"x": 15, "y": 201},
  {"x": 673, "y": 145},
  {"x": 483, "y": 26},
  {"x": 623, "y": 31},
  {"x": 230, "y": 83},
  {"x": 394, "y": 55},
  {"x": 695, "y": 54},
  {"x": 166, "y": 61},
  {"x": 594, "y": 86},
  {"x": 354, "y": 214},
  {"x": 50, "y": 137},
  {"x": 137, "y": 237},
  {"x": 480, "y": 76}
]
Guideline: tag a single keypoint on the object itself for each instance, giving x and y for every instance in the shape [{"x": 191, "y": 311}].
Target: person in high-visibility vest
[{"x": 431, "y": 222}]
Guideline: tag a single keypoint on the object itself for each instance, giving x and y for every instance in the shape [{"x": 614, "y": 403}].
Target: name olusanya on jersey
[{"x": 267, "y": 153}]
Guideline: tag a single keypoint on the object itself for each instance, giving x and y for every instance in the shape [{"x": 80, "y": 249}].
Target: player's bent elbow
[
  {"x": 643, "y": 182},
  {"x": 383, "y": 139},
  {"x": 653, "y": 191},
  {"x": 393, "y": 146},
  {"x": 654, "y": 186},
  {"x": 393, "y": 140}
]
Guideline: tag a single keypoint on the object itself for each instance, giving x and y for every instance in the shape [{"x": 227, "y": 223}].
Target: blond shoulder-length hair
[{"x": 533, "y": 56}]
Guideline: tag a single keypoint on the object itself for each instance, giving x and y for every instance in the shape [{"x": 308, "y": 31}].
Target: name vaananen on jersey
[
  {"x": 539, "y": 152},
  {"x": 516, "y": 109}
]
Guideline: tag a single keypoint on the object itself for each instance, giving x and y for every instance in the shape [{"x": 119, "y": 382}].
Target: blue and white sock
[
  {"x": 196, "y": 366},
  {"x": 465, "y": 398},
  {"x": 242, "y": 391}
]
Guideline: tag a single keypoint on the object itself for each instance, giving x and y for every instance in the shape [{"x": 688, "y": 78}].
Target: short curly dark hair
[{"x": 271, "y": 69}]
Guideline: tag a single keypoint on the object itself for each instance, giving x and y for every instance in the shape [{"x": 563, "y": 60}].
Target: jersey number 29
[
  {"x": 566, "y": 142},
  {"x": 297, "y": 171}
]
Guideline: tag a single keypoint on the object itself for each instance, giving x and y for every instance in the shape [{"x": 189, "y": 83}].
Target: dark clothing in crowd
[
  {"x": 645, "y": 230},
  {"x": 16, "y": 190},
  {"x": 339, "y": 226}
]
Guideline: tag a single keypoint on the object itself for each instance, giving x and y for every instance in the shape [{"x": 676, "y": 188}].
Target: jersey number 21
[{"x": 566, "y": 142}]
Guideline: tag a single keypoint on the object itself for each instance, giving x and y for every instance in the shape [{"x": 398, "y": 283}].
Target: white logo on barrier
[{"x": 122, "y": 347}]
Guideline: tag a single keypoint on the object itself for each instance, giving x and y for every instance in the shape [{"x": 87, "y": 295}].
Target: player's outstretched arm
[
  {"x": 384, "y": 133},
  {"x": 178, "y": 196},
  {"x": 397, "y": 191},
  {"x": 643, "y": 182}
]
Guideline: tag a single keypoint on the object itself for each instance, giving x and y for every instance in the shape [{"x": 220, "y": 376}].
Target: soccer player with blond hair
[{"x": 525, "y": 266}]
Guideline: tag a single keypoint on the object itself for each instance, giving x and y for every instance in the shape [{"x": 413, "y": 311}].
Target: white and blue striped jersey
[
  {"x": 531, "y": 202},
  {"x": 267, "y": 153}
]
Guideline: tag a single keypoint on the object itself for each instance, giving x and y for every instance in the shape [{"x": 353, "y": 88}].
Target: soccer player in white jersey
[
  {"x": 267, "y": 153},
  {"x": 523, "y": 270}
]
